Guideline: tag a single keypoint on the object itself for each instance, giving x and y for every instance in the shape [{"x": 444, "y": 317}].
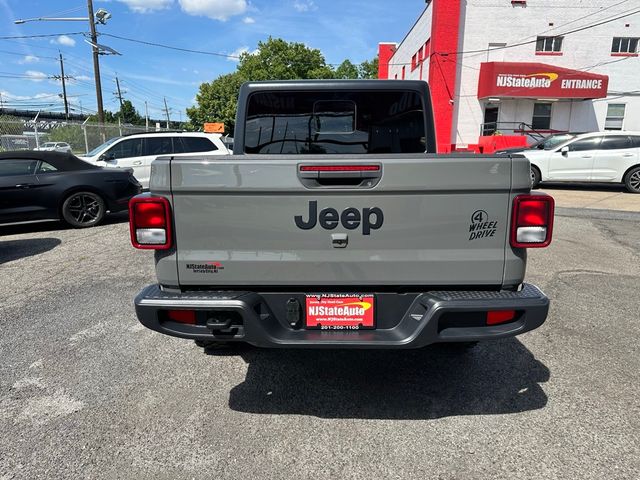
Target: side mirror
[
  {"x": 564, "y": 151},
  {"x": 106, "y": 156}
]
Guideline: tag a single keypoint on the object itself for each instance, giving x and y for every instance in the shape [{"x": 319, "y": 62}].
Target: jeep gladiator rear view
[{"x": 335, "y": 224}]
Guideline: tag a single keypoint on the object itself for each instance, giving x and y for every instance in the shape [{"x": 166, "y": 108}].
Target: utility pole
[
  {"x": 166, "y": 109},
  {"x": 96, "y": 61},
  {"x": 146, "y": 116},
  {"x": 119, "y": 95},
  {"x": 64, "y": 88}
]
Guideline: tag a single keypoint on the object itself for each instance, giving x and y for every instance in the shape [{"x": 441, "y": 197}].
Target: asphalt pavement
[{"x": 87, "y": 392}]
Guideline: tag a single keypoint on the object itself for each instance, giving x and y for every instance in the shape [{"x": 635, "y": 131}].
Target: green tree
[
  {"x": 216, "y": 101},
  {"x": 129, "y": 114},
  {"x": 275, "y": 59},
  {"x": 347, "y": 71},
  {"x": 368, "y": 69}
]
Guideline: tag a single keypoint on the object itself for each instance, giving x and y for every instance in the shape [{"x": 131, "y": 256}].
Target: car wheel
[
  {"x": 632, "y": 180},
  {"x": 83, "y": 209},
  {"x": 535, "y": 177}
]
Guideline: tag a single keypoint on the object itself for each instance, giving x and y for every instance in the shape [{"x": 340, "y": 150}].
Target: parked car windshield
[
  {"x": 48, "y": 144},
  {"x": 102, "y": 147}
]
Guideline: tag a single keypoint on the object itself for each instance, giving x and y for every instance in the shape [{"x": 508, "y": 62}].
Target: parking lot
[{"x": 87, "y": 392}]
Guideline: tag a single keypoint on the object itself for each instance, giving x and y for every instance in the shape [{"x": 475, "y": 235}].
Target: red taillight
[
  {"x": 150, "y": 223},
  {"x": 340, "y": 168},
  {"x": 532, "y": 221},
  {"x": 182, "y": 316},
  {"x": 496, "y": 317}
]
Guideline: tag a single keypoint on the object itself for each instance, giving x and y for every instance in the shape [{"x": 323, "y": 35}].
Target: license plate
[{"x": 340, "y": 312}]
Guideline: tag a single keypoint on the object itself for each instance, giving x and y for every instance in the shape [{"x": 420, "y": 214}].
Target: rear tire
[
  {"x": 632, "y": 180},
  {"x": 83, "y": 209},
  {"x": 535, "y": 177}
]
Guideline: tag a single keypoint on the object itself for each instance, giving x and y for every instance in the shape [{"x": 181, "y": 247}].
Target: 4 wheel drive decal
[{"x": 480, "y": 226}]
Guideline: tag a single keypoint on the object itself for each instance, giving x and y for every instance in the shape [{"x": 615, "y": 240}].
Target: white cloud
[
  {"x": 65, "y": 40},
  {"x": 28, "y": 59},
  {"x": 248, "y": 20},
  {"x": 143, "y": 6},
  {"x": 36, "y": 76},
  {"x": 304, "y": 5},
  {"x": 6, "y": 96},
  {"x": 215, "y": 9},
  {"x": 233, "y": 56}
]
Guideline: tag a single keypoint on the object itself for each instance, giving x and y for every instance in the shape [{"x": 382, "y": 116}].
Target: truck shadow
[
  {"x": 17, "y": 249},
  {"x": 494, "y": 378},
  {"x": 56, "y": 226}
]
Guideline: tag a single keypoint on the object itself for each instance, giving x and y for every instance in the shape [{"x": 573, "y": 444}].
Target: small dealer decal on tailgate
[
  {"x": 480, "y": 226},
  {"x": 206, "y": 267}
]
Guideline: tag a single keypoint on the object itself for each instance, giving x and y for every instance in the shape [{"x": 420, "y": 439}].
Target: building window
[
  {"x": 414, "y": 63},
  {"x": 615, "y": 116},
  {"x": 395, "y": 77},
  {"x": 541, "y": 116},
  {"x": 625, "y": 45},
  {"x": 549, "y": 44},
  {"x": 403, "y": 72},
  {"x": 420, "y": 55},
  {"x": 427, "y": 49}
]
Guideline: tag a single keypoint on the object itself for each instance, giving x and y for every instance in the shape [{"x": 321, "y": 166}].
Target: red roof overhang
[{"x": 538, "y": 80}]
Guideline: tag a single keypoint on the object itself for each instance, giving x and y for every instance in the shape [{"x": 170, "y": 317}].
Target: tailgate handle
[{"x": 340, "y": 175}]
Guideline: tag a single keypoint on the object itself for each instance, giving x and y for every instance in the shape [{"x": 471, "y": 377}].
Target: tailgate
[{"x": 277, "y": 221}]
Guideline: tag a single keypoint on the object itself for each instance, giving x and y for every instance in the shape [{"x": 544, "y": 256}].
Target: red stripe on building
[
  {"x": 385, "y": 52},
  {"x": 445, "y": 29}
]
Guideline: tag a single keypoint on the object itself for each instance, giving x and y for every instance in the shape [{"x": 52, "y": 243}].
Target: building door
[{"x": 490, "y": 124}]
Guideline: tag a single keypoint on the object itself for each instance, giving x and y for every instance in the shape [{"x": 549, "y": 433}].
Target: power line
[
  {"x": 170, "y": 47},
  {"x": 17, "y": 37},
  {"x": 27, "y": 55}
]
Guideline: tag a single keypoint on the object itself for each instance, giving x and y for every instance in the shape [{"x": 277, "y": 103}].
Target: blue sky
[{"x": 340, "y": 29}]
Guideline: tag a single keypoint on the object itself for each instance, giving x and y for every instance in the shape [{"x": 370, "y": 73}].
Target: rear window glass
[
  {"x": 309, "y": 122},
  {"x": 17, "y": 167},
  {"x": 615, "y": 142},
  {"x": 193, "y": 144},
  {"x": 635, "y": 141},
  {"x": 158, "y": 146}
]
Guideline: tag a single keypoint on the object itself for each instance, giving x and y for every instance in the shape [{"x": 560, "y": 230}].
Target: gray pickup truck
[{"x": 335, "y": 224}]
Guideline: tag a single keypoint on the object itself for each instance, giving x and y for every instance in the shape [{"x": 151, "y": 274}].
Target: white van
[
  {"x": 138, "y": 150},
  {"x": 602, "y": 157}
]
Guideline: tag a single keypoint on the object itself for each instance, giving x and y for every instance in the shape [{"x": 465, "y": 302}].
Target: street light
[{"x": 100, "y": 17}]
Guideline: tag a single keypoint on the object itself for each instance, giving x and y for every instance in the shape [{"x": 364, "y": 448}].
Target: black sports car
[{"x": 60, "y": 186}]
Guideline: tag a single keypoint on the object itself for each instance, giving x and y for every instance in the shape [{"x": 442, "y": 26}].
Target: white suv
[
  {"x": 138, "y": 150},
  {"x": 602, "y": 157}
]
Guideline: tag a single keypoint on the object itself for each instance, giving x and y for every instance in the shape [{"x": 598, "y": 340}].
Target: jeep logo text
[{"x": 351, "y": 218}]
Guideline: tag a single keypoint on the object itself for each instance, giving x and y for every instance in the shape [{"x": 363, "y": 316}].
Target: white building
[{"x": 522, "y": 68}]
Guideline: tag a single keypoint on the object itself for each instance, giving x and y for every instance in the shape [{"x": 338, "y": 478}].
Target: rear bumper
[{"x": 431, "y": 317}]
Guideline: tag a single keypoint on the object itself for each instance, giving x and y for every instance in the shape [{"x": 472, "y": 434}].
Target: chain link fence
[{"x": 19, "y": 134}]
